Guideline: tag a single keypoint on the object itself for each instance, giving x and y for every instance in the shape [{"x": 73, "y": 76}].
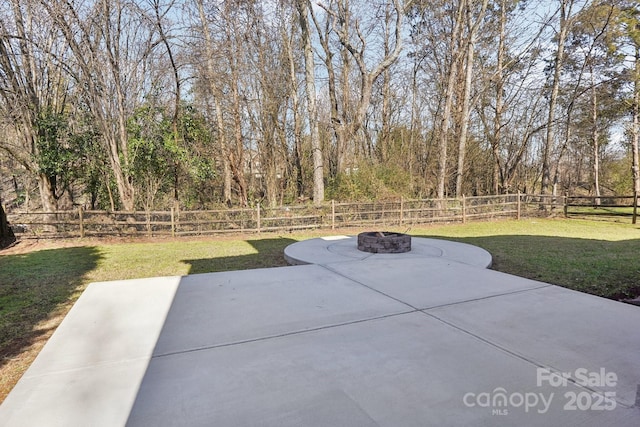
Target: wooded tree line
[{"x": 141, "y": 104}]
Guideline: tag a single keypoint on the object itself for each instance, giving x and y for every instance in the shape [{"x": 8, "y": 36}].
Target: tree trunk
[
  {"x": 49, "y": 202},
  {"x": 118, "y": 143},
  {"x": 4, "y": 226},
  {"x": 635, "y": 168},
  {"x": 312, "y": 110},
  {"x": 443, "y": 140},
  {"x": 385, "y": 131},
  {"x": 124, "y": 185},
  {"x": 595, "y": 137},
  {"x": 464, "y": 125},
  {"x": 215, "y": 92},
  {"x": 297, "y": 121},
  {"x": 237, "y": 153},
  {"x": 177, "y": 97},
  {"x": 6, "y": 234},
  {"x": 565, "y": 12},
  {"x": 466, "y": 98},
  {"x": 346, "y": 136}
]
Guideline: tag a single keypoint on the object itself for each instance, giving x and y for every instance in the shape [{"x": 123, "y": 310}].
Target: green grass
[
  {"x": 35, "y": 285},
  {"x": 38, "y": 288},
  {"x": 178, "y": 257},
  {"x": 600, "y": 258},
  {"x": 602, "y": 213},
  {"x": 601, "y": 210}
]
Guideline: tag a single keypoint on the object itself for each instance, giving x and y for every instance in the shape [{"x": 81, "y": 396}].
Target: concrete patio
[{"x": 427, "y": 338}]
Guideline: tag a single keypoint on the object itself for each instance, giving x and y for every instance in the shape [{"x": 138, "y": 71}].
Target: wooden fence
[
  {"x": 331, "y": 215},
  {"x": 604, "y": 207}
]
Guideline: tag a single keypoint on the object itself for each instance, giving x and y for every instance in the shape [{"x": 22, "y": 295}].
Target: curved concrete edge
[
  {"x": 332, "y": 249},
  {"x": 293, "y": 261},
  {"x": 316, "y": 251},
  {"x": 462, "y": 252}
]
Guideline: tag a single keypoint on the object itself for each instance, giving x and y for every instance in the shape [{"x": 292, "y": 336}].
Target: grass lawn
[
  {"x": 38, "y": 285},
  {"x": 602, "y": 213},
  {"x": 600, "y": 258}
]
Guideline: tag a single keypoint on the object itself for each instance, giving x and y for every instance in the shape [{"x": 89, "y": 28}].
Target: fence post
[
  {"x": 519, "y": 204},
  {"x": 258, "y": 216},
  {"x": 173, "y": 222},
  {"x": 635, "y": 207},
  {"x": 464, "y": 209},
  {"x": 148, "y": 215},
  {"x": 566, "y": 205},
  {"x": 81, "y": 219},
  {"x": 333, "y": 214},
  {"x": 401, "y": 209}
]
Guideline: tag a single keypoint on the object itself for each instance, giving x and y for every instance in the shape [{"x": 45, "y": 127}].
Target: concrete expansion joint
[
  {"x": 488, "y": 297},
  {"x": 286, "y": 334},
  {"x": 369, "y": 287},
  {"x": 106, "y": 364},
  {"x": 484, "y": 340}
]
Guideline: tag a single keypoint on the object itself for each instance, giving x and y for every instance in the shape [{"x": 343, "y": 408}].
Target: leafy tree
[
  {"x": 151, "y": 146},
  {"x": 198, "y": 160},
  {"x": 54, "y": 157}
]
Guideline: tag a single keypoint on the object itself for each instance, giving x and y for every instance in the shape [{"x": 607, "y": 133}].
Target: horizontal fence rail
[
  {"x": 332, "y": 215},
  {"x": 602, "y": 207}
]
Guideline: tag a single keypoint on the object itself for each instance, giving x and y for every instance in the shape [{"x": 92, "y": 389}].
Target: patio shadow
[
  {"x": 27, "y": 301},
  {"x": 268, "y": 253}
]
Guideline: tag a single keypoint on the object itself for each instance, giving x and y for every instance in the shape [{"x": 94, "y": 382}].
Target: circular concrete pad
[{"x": 327, "y": 250}]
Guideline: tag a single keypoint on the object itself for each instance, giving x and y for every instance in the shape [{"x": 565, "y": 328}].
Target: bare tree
[
  {"x": 216, "y": 93},
  {"x": 471, "y": 89},
  {"x": 449, "y": 95},
  {"x": 237, "y": 150},
  {"x": 474, "y": 24},
  {"x": 588, "y": 64},
  {"x": 270, "y": 91},
  {"x": 629, "y": 23},
  {"x": 512, "y": 101},
  {"x": 32, "y": 91},
  {"x": 159, "y": 16},
  {"x": 635, "y": 166},
  {"x": 348, "y": 121},
  {"x": 297, "y": 149},
  {"x": 110, "y": 48},
  {"x": 303, "y": 8},
  {"x": 566, "y": 17}
]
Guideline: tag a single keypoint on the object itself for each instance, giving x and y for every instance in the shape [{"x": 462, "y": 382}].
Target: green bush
[{"x": 370, "y": 182}]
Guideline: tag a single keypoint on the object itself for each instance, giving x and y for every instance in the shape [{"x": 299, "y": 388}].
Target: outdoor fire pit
[{"x": 384, "y": 242}]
